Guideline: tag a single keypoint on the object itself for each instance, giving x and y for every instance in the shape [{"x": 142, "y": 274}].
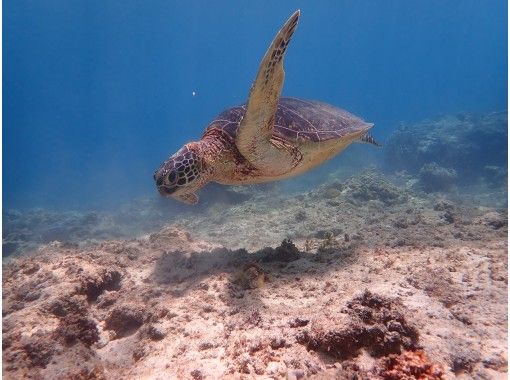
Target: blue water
[{"x": 98, "y": 93}]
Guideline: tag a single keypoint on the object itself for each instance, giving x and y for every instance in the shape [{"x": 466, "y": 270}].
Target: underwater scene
[{"x": 255, "y": 190}]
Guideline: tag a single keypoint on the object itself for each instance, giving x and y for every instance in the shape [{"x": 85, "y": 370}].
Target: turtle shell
[{"x": 298, "y": 120}]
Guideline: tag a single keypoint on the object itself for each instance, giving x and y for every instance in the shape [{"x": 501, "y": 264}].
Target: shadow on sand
[{"x": 248, "y": 273}]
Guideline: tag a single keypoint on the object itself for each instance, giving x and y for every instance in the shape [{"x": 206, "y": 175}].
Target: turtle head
[{"x": 180, "y": 176}]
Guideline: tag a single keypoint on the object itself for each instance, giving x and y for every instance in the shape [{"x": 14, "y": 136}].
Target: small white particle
[{"x": 193, "y": 93}]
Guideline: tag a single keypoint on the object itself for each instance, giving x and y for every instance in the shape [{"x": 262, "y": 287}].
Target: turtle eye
[{"x": 172, "y": 177}]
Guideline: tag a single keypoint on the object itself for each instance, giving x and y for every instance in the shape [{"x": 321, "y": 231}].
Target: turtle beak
[{"x": 166, "y": 191}]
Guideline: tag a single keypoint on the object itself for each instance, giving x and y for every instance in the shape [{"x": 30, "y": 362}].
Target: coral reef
[
  {"x": 466, "y": 143},
  {"x": 26, "y": 231},
  {"x": 464, "y": 153},
  {"x": 371, "y": 281},
  {"x": 434, "y": 178},
  {"x": 372, "y": 187}
]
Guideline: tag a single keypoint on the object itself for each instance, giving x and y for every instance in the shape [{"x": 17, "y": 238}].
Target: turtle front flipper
[
  {"x": 189, "y": 198},
  {"x": 255, "y": 139}
]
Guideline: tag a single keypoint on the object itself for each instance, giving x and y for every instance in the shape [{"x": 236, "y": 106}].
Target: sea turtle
[{"x": 266, "y": 139}]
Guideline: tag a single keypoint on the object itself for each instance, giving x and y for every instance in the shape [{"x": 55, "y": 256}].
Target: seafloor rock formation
[
  {"x": 471, "y": 146},
  {"x": 376, "y": 282}
]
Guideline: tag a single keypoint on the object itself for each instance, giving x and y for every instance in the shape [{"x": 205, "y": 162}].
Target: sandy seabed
[{"x": 370, "y": 281}]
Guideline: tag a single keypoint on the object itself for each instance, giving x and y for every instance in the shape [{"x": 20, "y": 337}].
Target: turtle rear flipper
[
  {"x": 367, "y": 138},
  {"x": 255, "y": 139}
]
